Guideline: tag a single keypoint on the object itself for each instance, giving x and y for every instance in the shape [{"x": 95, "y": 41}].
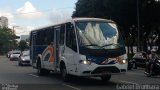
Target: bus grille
[{"x": 111, "y": 69}]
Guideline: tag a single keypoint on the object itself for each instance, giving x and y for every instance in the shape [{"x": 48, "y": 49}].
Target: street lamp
[{"x": 138, "y": 47}]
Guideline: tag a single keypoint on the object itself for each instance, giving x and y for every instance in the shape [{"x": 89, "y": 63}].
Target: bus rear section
[{"x": 89, "y": 47}]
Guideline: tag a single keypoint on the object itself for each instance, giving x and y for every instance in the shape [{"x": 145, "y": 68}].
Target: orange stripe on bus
[{"x": 51, "y": 49}]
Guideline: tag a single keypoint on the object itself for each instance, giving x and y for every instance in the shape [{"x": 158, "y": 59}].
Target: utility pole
[{"x": 138, "y": 26}]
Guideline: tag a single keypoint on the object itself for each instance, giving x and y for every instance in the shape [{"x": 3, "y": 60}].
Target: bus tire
[
  {"x": 64, "y": 74},
  {"x": 40, "y": 70},
  {"x": 106, "y": 78}
]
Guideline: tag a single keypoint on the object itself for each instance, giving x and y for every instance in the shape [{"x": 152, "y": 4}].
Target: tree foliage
[
  {"x": 7, "y": 41},
  {"x": 125, "y": 13},
  {"x": 23, "y": 45}
]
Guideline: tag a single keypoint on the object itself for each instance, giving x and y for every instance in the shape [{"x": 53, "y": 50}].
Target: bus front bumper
[{"x": 99, "y": 70}]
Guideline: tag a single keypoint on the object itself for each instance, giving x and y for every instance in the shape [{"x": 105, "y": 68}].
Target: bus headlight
[
  {"x": 124, "y": 61},
  {"x": 86, "y": 62}
]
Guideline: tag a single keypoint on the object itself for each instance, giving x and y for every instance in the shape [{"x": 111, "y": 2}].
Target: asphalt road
[{"x": 14, "y": 77}]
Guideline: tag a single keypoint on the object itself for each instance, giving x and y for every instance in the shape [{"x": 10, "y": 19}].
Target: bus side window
[
  {"x": 40, "y": 38},
  {"x": 71, "y": 37},
  {"x": 62, "y": 31},
  {"x": 49, "y": 36}
]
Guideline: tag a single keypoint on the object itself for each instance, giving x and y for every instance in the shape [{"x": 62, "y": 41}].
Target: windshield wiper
[
  {"x": 92, "y": 45},
  {"x": 111, "y": 45}
]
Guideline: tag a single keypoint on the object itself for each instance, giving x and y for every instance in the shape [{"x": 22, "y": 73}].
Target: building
[
  {"x": 24, "y": 37},
  {"x": 3, "y": 21}
]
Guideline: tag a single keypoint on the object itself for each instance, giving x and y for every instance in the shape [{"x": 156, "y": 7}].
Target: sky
[{"x": 27, "y": 15}]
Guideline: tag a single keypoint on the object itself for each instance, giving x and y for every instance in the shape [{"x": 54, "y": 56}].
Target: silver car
[
  {"x": 14, "y": 55},
  {"x": 24, "y": 59}
]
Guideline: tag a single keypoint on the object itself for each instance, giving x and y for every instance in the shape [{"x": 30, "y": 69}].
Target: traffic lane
[
  {"x": 10, "y": 72},
  {"x": 83, "y": 83},
  {"x": 25, "y": 76},
  {"x": 133, "y": 76},
  {"x": 137, "y": 76},
  {"x": 79, "y": 83},
  {"x": 34, "y": 87}
]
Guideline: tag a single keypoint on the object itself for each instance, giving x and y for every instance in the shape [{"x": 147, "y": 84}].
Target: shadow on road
[
  {"x": 82, "y": 81},
  {"x": 90, "y": 81}
]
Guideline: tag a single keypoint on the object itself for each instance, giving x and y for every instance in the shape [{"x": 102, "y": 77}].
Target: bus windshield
[{"x": 98, "y": 35}]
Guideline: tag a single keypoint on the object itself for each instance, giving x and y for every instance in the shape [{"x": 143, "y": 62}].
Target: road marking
[
  {"x": 129, "y": 82},
  {"x": 71, "y": 87},
  {"x": 33, "y": 75}
]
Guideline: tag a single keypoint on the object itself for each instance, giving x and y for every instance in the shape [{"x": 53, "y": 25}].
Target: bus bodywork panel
[
  {"x": 108, "y": 66},
  {"x": 84, "y": 45}
]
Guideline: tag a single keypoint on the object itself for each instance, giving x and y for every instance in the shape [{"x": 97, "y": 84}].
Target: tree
[
  {"x": 7, "y": 41},
  {"x": 124, "y": 12},
  {"x": 23, "y": 45}
]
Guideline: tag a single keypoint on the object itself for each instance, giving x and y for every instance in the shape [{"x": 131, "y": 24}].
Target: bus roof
[
  {"x": 91, "y": 19},
  {"x": 75, "y": 19}
]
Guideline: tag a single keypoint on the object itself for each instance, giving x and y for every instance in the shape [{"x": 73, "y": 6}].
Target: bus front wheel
[
  {"x": 64, "y": 74},
  {"x": 40, "y": 70}
]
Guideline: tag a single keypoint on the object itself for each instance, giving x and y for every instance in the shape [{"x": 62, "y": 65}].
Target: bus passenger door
[
  {"x": 33, "y": 49},
  {"x": 71, "y": 48},
  {"x": 57, "y": 46}
]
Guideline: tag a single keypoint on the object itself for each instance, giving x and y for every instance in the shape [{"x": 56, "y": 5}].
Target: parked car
[
  {"x": 24, "y": 59},
  {"x": 138, "y": 60},
  {"x": 14, "y": 56}
]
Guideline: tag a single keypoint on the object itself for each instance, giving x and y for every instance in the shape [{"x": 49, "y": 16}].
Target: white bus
[{"x": 90, "y": 47}]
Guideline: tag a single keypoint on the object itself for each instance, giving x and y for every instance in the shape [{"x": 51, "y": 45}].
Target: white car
[
  {"x": 14, "y": 56},
  {"x": 24, "y": 59}
]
